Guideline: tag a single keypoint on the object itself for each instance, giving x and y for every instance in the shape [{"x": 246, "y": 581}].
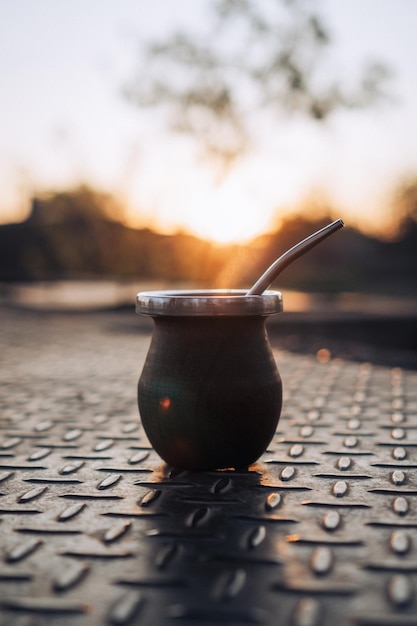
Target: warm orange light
[
  {"x": 228, "y": 215},
  {"x": 227, "y": 212},
  {"x": 323, "y": 355},
  {"x": 165, "y": 403}
]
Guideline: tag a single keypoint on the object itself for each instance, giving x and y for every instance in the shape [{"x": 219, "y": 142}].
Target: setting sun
[
  {"x": 232, "y": 210},
  {"x": 227, "y": 215}
]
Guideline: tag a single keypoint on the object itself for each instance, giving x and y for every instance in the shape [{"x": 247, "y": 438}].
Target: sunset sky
[{"x": 63, "y": 120}]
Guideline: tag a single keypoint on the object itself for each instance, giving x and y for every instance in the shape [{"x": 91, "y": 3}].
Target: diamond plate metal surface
[{"x": 95, "y": 529}]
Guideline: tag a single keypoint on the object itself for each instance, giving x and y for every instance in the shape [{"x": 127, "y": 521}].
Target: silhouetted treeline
[
  {"x": 71, "y": 236},
  {"x": 347, "y": 261},
  {"x": 68, "y": 236}
]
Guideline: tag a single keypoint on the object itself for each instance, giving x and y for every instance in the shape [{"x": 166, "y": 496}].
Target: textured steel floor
[{"x": 94, "y": 529}]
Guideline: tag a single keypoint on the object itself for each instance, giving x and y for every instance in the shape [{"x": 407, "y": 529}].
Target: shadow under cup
[{"x": 210, "y": 394}]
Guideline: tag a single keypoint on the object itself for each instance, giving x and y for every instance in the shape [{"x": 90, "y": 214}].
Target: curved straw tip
[{"x": 293, "y": 253}]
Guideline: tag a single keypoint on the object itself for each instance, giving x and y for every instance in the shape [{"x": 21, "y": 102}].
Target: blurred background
[{"x": 190, "y": 143}]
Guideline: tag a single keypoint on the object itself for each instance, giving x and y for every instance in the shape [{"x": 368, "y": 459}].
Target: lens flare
[{"x": 165, "y": 403}]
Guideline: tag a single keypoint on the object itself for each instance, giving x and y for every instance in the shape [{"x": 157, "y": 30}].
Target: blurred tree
[
  {"x": 75, "y": 230},
  {"x": 256, "y": 57},
  {"x": 404, "y": 205},
  {"x": 80, "y": 205}
]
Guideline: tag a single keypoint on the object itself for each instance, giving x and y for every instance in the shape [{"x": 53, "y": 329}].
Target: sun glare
[{"x": 227, "y": 215}]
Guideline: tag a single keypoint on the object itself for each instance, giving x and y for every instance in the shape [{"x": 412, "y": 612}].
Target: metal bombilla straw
[{"x": 291, "y": 255}]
